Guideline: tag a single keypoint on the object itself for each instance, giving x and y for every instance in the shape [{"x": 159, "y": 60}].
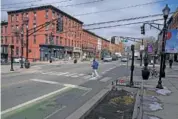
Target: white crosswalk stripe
[
  {"x": 105, "y": 79},
  {"x": 67, "y": 74}
]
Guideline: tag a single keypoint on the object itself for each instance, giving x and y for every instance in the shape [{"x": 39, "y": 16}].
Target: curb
[
  {"x": 137, "y": 106},
  {"x": 86, "y": 108}
]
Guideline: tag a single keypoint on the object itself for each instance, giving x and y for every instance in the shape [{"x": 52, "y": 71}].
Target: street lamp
[{"x": 166, "y": 11}]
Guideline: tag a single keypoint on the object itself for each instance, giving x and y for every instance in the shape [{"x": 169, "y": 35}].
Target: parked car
[
  {"x": 114, "y": 57},
  {"x": 107, "y": 58},
  {"x": 124, "y": 59}
]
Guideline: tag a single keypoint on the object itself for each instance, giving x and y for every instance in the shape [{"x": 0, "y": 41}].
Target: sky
[{"x": 103, "y": 5}]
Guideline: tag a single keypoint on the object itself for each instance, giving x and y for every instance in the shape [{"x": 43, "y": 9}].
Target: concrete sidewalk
[{"x": 159, "y": 103}]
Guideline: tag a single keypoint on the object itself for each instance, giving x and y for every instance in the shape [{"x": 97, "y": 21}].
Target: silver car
[
  {"x": 124, "y": 59},
  {"x": 107, "y": 59}
]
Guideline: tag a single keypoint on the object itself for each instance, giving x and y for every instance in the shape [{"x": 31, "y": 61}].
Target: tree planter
[{"x": 145, "y": 74}]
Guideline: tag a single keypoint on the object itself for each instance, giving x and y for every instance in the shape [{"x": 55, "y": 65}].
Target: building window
[
  {"x": 17, "y": 51},
  {"x": 17, "y": 17},
  {"x": 12, "y": 28},
  {"x": 27, "y": 15},
  {"x": 53, "y": 26},
  {"x": 34, "y": 26},
  {"x": 12, "y": 18},
  {"x": 53, "y": 14},
  {"x": 5, "y": 39},
  {"x": 47, "y": 27},
  {"x": 34, "y": 15},
  {"x": 1, "y": 30},
  {"x": 65, "y": 42},
  {"x": 57, "y": 39},
  {"x": 17, "y": 40},
  {"x": 60, "y": 40},
  {"x": 34, "y": 39},
  {"x": 2, "y": 39},
  {"x": 46, "y": 39},
  {"x": 17, "y": 27},
  {"x": 46, "y": 16},
  {"x": 5, "y": 29},
  {"x": 22, "y": 15},
  {"x": 12, "y": 40}
]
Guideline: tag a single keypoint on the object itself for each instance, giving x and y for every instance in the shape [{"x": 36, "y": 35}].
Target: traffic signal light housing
[{"x": 143, "y": 29}]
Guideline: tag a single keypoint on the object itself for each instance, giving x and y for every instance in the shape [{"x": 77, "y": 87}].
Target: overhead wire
[
  {"x": 132, "y": 6},
  {"x": 70, "y": 5},
  {"x": 31, "y": 2},
  {"x": 104, "y": 27}
]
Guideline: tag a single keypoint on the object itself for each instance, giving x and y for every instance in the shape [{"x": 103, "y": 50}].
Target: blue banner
[{"x": 172, "y": 41}]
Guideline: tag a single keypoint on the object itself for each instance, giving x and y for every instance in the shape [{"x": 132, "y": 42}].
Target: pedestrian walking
[
  {"x": 170, "y": 61},
  {"x": 94, "y": 66}
]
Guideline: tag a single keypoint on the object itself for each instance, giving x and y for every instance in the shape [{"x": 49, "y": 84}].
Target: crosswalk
[
  {"x": 67, "y": 74},
  {"x": 76, "y": 75}
]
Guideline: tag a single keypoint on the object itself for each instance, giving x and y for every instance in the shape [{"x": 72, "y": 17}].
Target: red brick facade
[{"x": 72, "y": 35}]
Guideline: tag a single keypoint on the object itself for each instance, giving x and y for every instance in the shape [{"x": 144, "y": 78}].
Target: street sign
[
  {"x": 142, "y": 47},
  {"x": 172, "y": 41}
]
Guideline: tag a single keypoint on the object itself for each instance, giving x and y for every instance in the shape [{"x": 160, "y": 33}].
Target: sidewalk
[
  {"x": 153, "y": 103},
  {"x": 159, "y": 103}
]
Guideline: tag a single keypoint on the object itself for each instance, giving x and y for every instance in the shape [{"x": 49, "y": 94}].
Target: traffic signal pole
[{"x": 141, "y": 55}]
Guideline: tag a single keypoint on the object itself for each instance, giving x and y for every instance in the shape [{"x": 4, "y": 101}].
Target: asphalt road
[{"x": 54, "y": 92}]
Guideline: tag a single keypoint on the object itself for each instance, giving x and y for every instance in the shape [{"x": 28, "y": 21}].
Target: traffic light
[{"x": 143, "y": 29}]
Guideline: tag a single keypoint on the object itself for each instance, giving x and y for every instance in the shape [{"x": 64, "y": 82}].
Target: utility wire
[
  {"x": 70, "y": 5},
  {"x": 128, "y": 19},
  {"x": 96, "y": 28},
  {"x": 132, "y": 6},
  {"x": 31, "y": 2}
]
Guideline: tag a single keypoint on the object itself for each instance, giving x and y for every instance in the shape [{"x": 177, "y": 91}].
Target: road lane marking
[
  {"x": 55, "y": 112},
  {"x": 44, "y": 81},
  {"x": 86, "y": 92},
  {"x": 87, "y": 77},
  {"x": 81, "y": 74},
  {"x": 105, "y": 79},
  {"x": 75, "y": 76},
  {"x": 62, "y": 73},
  {"x": 63, "y": 84},
  {"x": 34, "y": 100},
  {"x": 70, "y": 74}
]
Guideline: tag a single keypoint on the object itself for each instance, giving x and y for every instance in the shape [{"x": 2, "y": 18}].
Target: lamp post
[
  {"x": 166, "y": 11},
  {"x": 12, "y": 47}
]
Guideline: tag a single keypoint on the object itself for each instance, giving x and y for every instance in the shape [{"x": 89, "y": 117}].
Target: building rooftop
[
  {"x": 43, "y": 8},
  {"x": 95, "y": 35}
]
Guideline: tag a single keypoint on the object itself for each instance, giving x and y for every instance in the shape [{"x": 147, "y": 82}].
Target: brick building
[
  {"x": 72, "y": 40},
  {"x": 62, "y": 43}
]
